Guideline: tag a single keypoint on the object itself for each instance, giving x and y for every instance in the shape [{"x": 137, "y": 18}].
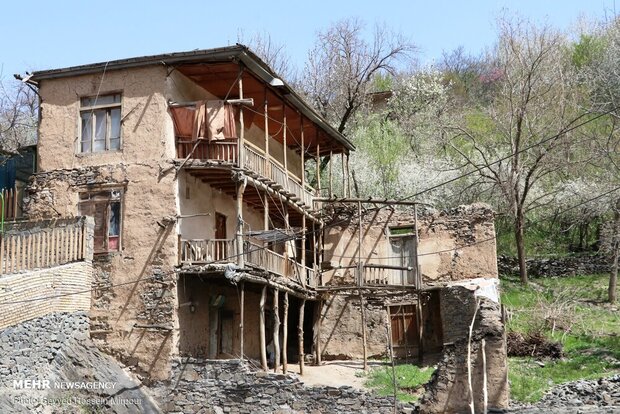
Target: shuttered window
[{"x": 106, "y": 209}]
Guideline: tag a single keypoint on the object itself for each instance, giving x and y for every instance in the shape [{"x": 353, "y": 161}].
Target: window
[
  {"x": 403, "y": 248},
  {"x": 105, "y": 207},
  {"x": 100, "y": 123}
]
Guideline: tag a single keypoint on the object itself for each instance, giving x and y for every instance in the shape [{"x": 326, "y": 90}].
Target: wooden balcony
[
  {"x": 270, "y": 171},
  {"x": 203, "y": 251}
]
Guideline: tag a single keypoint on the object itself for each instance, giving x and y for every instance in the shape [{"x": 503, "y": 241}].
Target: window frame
[
  {"x": 92, "y": 109},
  {"x": 87, "y": 197}
]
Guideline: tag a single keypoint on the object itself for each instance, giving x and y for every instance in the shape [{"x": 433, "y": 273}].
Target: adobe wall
[
  {"x": 136, "y": 285},
  {"x": 454, "y": 245}
]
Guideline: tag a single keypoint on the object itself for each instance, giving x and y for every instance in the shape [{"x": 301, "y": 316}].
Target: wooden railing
[
  {"x": 207, "y": 251},
  {"x": 377, "y": 274},
  {"x": 224, "y": 251},
  {"x": 224, "y": 150},
  {"x": 10, "y": 206},
  {"x": 257, "y": 162},
  {"x": 42, "y": 248}
]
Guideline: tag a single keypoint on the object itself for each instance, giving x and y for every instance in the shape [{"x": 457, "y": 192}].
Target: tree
[
  {"x": 526, "y": 124},
  {"x": 272, "y": 53},
  {"x": 342, "y": 65},
  {"x": 18, "y": 117}
]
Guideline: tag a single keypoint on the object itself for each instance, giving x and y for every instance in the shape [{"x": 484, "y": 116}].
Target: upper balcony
[{"x": 254, "y": 161}]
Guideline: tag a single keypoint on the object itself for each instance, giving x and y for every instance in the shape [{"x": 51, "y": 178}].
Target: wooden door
[{"x": 221, "y": 251}]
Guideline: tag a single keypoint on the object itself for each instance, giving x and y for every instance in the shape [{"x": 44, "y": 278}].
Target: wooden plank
[
  {"x": 13, "y": 253},
  {"x": 261, "y": 329},
  {"x": 285, "y": 335},
  {"x": 300, "y": 336},
  {"x": 331, "y": 173},
  {"x": 276, "y": 331},
  {"x": 2, "y": 265}
]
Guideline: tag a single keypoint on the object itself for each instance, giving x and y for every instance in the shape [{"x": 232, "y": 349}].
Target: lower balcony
[{"x": 210, "y": 251}]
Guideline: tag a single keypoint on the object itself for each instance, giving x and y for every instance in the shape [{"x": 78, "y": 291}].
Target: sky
[{"x": 46, "y": 34}]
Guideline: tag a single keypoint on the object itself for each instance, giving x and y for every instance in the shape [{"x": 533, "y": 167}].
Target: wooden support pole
[
  {"x": 317, "y": 334},
  {"x": 261, "y": 329},
  {"x": 303, "y": 248},
  {"x": 285, "y": 335},
  {"x": 303, "y": 153},
  {"x": 348, "y": 179},
  {"x": 300, "y": 336},
  {"x": 266, "y": 212},
  {"x": 360, "y": 266},
  {"x": 241, "y": 317},
  {"x": 391, "y": 348},
  {"x": 284, "y": 143},
  {"x": 276, "y": 331},
  {"x": 420, "y": 320},
  {"x": 331, "y": 173},
  {"x": 266, "y": 113},
  {"x": 344, "y": 176},
  {"x": 364, "y": 347},
  {"x": 239, "y": 235},
  {"x": 318, "y": 166},
  {"x": 241, "y": 151}
]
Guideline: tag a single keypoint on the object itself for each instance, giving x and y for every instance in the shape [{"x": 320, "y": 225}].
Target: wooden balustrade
[
  {"x": 388, "y": 275},
  {"x": 40, "y": 249},
  {"x": 223, "y": 251},
  {"x": 219, "y": 150},
  {"x": 207, "y": 251}
]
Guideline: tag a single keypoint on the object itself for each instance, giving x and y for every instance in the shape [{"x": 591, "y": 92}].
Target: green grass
[
  {"x": 409, "y": 378},
  {"x": 570, "y": 310}
]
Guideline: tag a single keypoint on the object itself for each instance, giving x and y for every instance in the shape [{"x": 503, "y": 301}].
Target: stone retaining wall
[
  {"x": 553, "y": 267},
  {"x": 230, "y": 386}
]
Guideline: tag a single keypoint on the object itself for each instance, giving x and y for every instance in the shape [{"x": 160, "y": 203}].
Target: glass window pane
[
  {"x": 86, "y": 131},
  {"x": 100, "y": 100},
  {"x": 115, "y": 144},
  {"x": 100, "y": 130},
  {"x": 115, "y": 123}
]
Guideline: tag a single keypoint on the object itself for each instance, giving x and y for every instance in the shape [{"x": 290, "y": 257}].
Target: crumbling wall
[
  {"x": 136, "y": 286},
  {"x": 453, "y": 245},
  {"x": 341, "y": 328},
  {"x": 448, "y": 389}
]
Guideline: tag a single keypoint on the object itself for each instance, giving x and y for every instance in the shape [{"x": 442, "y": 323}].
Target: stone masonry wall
[{"x": 229, "y": 386}]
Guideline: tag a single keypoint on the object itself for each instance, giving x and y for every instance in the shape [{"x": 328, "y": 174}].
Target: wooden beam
[
  {"x": 344, "y": 176},
  {"x": 285, "y": 335},
  {"x": 317, "y": 334},
  {"x": 285, "y": 147},
  {"x": 261, "y": 329},
  {"x": 303, "y": 153},
  {"x": 300, "y": 336},
  {"x": 318, "y": 167},
  {"x": 241, "y": 317},
  {"x": 266, "y": 115},
  {"x": 276, "y": 331},
  {"x": 366, "y": 200}
]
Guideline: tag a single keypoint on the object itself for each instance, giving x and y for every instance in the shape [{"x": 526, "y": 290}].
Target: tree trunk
[
  {"x": 615, "y": 245},
  {"x": 520, "y": 240}
]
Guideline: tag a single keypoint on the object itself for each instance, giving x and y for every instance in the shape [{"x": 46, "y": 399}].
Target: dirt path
[{"x": 334, "y": 373}]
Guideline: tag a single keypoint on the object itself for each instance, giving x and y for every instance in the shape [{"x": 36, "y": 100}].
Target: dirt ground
[{"x": 334, "y": 373}]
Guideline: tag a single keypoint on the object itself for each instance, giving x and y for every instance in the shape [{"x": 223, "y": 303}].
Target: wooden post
[
  {"x": 331, "y": 173},
  {"x": 240, "y": 151},
  {"x": 266, "y": 212},
  {"x": 303, "y": 249},
  {"x": 317, "y": 334},
  {"x": 261, "y": 328},
  {"x": 348, "y": 179},
  {"x": 285, "y": 335},
  {"x": 360, "y": 266},
  {"x": 300, "y": 336},
  {"x": 276, "y": 331},
  {"x": 241, "y": 317},
  {"x": 239, "y": 235},
  {"x": 303, "y": 154},
  {"x": 344, "y": 176},
  {"x": 364, "y": 349},
  {"x": 420, "y": 321},
  {"x": 267, "y": 171},
  {"x": 285, "y": 147},
  {"x": 391, "y": 348},
  {"x": 318, "y": 166}
]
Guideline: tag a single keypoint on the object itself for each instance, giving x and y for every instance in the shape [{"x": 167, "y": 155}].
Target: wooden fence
[
  {"x": 10, "y": 206},
  {"x": 42, "y": 248}
]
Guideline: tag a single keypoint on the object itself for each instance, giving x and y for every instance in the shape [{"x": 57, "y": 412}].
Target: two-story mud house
[
  {"x": 193, "y": 166},
  {"x": 209, "y": 239}
]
